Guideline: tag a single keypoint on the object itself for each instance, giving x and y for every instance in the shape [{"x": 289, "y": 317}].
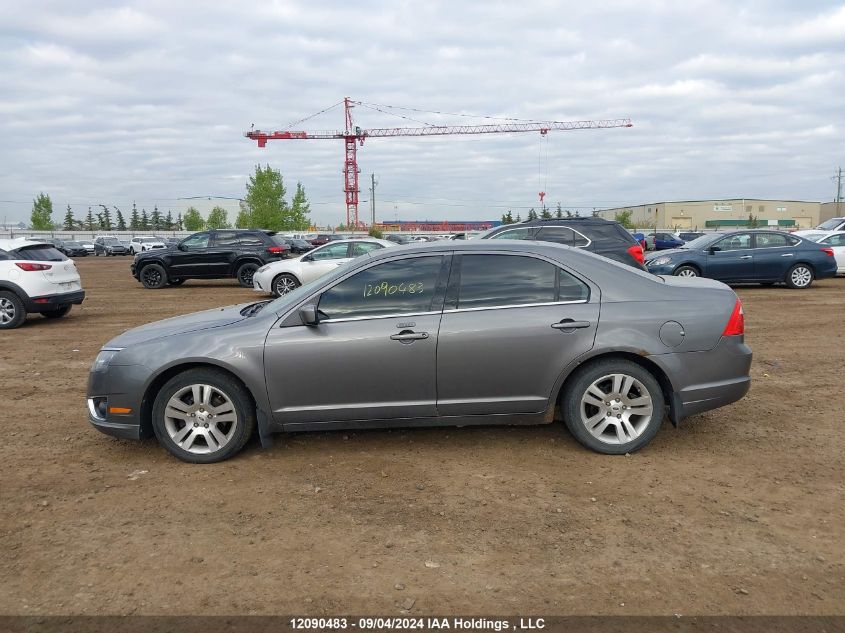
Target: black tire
[
  {"x": 225, "y": 385},
  {"x": 176, "y": 282},
  {"x": 799, "y": 277},
  {"x": 605, "y": 439},
  {"x": 58, "y": 313},
  {"x": 245, "y": 274},
  {"x": 687, "y": 271},
  {"x": 283, "y": 281},
  {"x": 12, "y": 311},
  {"x": 153, "y": 276}
]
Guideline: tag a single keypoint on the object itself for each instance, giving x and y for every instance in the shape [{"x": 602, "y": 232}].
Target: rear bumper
[{"x": 47, "y": 303}]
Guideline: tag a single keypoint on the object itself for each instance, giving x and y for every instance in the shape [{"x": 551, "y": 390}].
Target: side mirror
[
  {"x": 308, "y": 315},
  {"x": 714, "y": 249},
  {"x": 306, "y": 258},
  {"x": 181, "y": 247}
]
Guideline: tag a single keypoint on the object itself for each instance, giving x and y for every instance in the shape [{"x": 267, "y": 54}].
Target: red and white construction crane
[{"x": 353, "y": 136}]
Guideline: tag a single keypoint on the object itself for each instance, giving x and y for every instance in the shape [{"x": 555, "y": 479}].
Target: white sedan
[
  {"x": 279, "y": 278},
  {"x": 834, "y": 240}
]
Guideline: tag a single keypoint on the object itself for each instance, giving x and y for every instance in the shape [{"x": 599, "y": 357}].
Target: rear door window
[
  {"x": 360, "y": 248},
  {"x": 771, "y": 240},
  {"x": 562, "y": 235},
  {"x": 488, "y": 281}
]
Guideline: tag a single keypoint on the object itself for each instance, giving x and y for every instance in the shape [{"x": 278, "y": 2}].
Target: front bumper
[
  {"x": 121, "y": 388},
  {"x": 665, "y": 269},
  {"x": 47, "y": 303}
]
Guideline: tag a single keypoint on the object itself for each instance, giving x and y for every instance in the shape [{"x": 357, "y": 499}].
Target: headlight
[
  {"x": 262, "y": 269},
  {"x": 103, "y": 359},
  {"x": 660, "y": 261}
]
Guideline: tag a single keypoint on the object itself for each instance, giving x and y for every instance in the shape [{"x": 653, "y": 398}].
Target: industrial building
[{"x": 713, "y": 214}]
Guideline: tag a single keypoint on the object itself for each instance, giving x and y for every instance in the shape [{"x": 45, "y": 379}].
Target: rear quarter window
[{"x": 605, "y": 233}]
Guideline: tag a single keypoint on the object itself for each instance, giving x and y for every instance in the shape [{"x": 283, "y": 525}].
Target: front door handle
[
  {"x": 567, "y": 325},
  {"x": 408, "y": 336},
  {"x": 746, "y": 257},
  {"x": 788, "y": 255}
]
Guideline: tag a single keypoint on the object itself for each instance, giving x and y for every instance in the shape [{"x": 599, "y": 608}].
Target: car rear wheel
[
  {"x": 285, "y": 283},
  {"x": 58, "y": 313},
  {"x": 245, "y": 274},
  {"x": 613, "y": 406},
  {"x": 153, "y": 277},
  {"x": 799, "y": 277},
  {"x": 686, "y": 271},
  {"x": 12, "y": 312},
  {"x": 203, "y": 416}
]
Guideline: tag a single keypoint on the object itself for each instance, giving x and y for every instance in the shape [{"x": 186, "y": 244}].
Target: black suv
[
  {"x": 602, "y": 237},
  {"x": 210, "y": 255}
]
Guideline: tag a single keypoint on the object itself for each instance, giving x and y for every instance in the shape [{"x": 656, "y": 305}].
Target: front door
[
  {"x": 373, "y": 355},
  {"x": 731, "y": 258},
  {"x": 504, "y": 338},
  {"x": 323, "y": 260},
  {"x": 192, "y": 258}
]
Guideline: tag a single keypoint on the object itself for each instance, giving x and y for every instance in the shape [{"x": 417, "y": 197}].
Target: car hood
[
  {"x": 180, "y": 325},
  {"x": 669, "y": 251}
]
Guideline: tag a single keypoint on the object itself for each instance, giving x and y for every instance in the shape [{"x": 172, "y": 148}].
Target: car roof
[
  {"x": 18, "y": 242},
  {"x": 359, "y": 240}
]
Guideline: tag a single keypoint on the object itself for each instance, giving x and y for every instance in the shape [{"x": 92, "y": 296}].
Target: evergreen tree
[
  {"x": 507, "y": 218},
  {"x": 193, "y": 220},
  {"x": 69, "y": 223},
  {"x": 89, "y": 221},
  {"x": 546, "y": 214},
  {"x": 218, "y": 219},
  {"x": 518, "y": 219},
  {"x": 42, "y": 213},
  {"x": 569, "y": 214},
  {"x": 179, "y": 222},
  {"x": 168, "y": 220},
  {"x": 121, "y": 223},
  {"x": 558, "y": 212},
  {"x": 105, "y": 218},
  {"x": 156, "y": 221},
  {"x": 299, "y": 210},
  {"x": 532, "y": 214},
  {"x": 265, "y": 196},
  {"x": 144, "y": 225},
  {"x": 134, "y": 219}
]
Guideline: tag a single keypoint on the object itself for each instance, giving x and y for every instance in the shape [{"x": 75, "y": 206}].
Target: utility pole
[
  {"x": 373, "y": 184},
  {"x": 838, "y": 178}
]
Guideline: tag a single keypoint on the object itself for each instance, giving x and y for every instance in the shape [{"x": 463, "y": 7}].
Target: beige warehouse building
[{"x": 712, "y": 214}]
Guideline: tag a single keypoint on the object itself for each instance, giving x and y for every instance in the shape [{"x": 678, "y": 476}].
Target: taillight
[
  {"x": 736, "y": 324},
  {"x": 32, "y": 267},
  {"x": 636, "y": 251},
  {"x": 276, "y": 249},
  {"x": 828, "y": 252}
]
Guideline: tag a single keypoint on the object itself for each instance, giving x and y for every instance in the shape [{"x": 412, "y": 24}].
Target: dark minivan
[{"x": 602, "y": 237}]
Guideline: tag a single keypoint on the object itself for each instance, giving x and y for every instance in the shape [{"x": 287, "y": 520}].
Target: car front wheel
[
  {"x": 12, "y": 311},
  {"x": 799, "y": 277},
  {"x": 686, "y": 271},
  {"x": 613, "y": 406},
  {"x": 203, "y": 416},
  {"x": 153, "y": 277},
  {"x": 285, "y": 283}
]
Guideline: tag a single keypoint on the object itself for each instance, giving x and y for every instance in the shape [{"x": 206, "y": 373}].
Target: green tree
[
  {"x": 89, "y": 220},
  {"x": 265, "y": 198},
  {"x": 179, "y": 222},
  {"x": 69, "y": 223},
  {"x": 532, "y": 214},
  {"x": 558, "y": 212},
  {"x": 518, "y": 219},
  {"x": 243, "y": 221},
  {"x": 134, "y": 219},
  {"x": 193, "y": 220},
  {"x": 42, "y": 213},
  {"x": 121, "y": 223},
  {"x": 546, "y": 214},
  {"x": 376, "y": 233},
  {"x": 144, "y": 224},
  {"x": 299, "y": 210},
  {"x": 569, "y": 214},
  {"x": 624, "y": 218},
  {"x": 218, "y": 219},
  {"x": 752, "y": 221},
  {"x": 156, "y": 221},
  {"x": 105, "y": 218},
  {"x": 168, "y": 221}
]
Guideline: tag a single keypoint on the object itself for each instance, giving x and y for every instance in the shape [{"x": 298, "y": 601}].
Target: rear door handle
[
  {"x": 407, "y": 337},
  {"x": 746, "y": 257},
  {"x": 570, "y": 324},
  {"x": 788, "y": 255}
]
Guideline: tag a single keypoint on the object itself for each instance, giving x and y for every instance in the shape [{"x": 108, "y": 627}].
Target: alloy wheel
[
  {"x": 200, "y": 419},
  {"x": 285, "y": 284},
  {"x": 687, "y": 272},
  {"x": 7, "y": 311},
  {"x": 801, "y": 276},
  {"x": 152, "y": 276},
  {"x": 616, "y": 408}
]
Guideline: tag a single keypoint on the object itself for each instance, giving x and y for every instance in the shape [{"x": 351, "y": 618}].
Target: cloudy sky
[{"x": 110, "y": 102}]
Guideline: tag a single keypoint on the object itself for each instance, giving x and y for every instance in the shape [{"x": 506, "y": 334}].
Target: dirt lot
[{"x": 740, "y": 511}]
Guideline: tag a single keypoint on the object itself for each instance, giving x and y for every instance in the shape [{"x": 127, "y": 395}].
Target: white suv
[
  {"x": 141, "y": 244},
  {"x": 35, "y": 277}
]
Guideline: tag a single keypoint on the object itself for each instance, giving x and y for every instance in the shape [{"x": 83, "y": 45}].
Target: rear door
[
  {"x": 733, "y": 259},
  {"x": 504, "y": 338},
  {"x": 774, "y": 254}
]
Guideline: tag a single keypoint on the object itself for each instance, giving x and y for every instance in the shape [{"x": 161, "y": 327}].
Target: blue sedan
[{"x": 765, "y": 257}]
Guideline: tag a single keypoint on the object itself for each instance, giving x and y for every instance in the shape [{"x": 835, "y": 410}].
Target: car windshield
[
  {"x": 703, "y": 241},
  {"x": 40, "y": 253},
  {"x": 831, "y": 224},
  {"x": 111, "y": 240},
  {"x": 73, "y": 244}
]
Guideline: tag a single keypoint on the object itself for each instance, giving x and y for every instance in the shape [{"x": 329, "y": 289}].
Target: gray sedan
[{"x": 446, "y": 333}]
